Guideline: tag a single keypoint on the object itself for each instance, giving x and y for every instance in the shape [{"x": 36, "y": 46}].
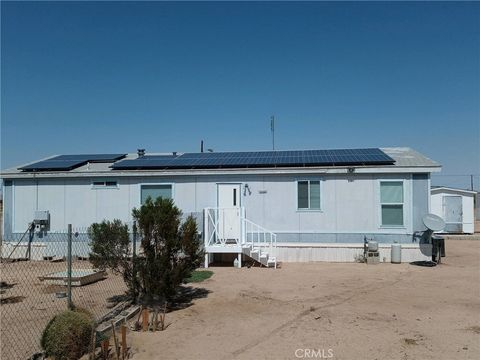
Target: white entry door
[
  {"x": 452, "y": 213},
  {"x": 229, "y": 212}
]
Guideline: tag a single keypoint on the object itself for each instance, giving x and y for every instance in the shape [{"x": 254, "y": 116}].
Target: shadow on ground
[
  {"x": 424, "y": 263},
  {"x": 186, "y": 295}
]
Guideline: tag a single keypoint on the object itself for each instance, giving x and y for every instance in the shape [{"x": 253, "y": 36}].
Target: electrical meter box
[{"x": 41, "y": 219}]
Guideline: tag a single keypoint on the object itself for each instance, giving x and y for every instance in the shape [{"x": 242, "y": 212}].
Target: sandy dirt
[
  {"x": 27, "y": 304},
  {"x": 339, "y": 311}
]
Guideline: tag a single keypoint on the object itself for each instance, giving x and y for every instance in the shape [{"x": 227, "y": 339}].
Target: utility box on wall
[{"x": 41, "y": 220}]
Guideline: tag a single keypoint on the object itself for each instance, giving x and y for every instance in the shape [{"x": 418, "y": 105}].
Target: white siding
[
  {"x": 468, "y": 214},
  {"x": 24, "y": 204},
  {"x": 52, "y": 197},
  {"x": 349, "y": 203},
  {"x": 113, "y": 203},
  {"x": 80, "y": 209}
]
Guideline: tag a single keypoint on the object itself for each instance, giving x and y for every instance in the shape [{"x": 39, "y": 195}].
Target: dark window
[
  {"x": 155, "y": 191},
  {"x": 103, "y": 184},
  {"x": 308, "y": 195}
]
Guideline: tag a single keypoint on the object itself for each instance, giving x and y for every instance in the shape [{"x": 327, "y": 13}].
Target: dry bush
[{"x": 67, "y": 335}]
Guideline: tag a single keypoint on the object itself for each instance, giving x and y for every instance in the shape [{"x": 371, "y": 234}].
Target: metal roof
[
  {"x": 405, "y": 156},
  {"x": 450, "y": 189}
]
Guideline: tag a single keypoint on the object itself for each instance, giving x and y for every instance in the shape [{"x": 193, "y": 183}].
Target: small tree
[
  {"x": 170, "y": 251},
  {"x": 110, "y": 249},
  {"x": 190, "y": 243}
]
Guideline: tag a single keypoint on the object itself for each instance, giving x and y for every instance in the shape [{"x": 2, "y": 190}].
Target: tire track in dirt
[{"x": 353, "y": 293}]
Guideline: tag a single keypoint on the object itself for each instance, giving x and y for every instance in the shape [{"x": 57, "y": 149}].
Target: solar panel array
[
  {"x": 69, "y": 162},
  {"x": 299, "y": 158}
]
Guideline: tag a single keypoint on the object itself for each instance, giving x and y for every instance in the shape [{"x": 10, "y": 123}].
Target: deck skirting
[{"x": 305, "y": 252}]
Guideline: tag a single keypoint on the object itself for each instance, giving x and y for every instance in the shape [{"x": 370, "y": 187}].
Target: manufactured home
[
  {"x": 303, "y": 205},
  {"x": 456, "y": 207}
]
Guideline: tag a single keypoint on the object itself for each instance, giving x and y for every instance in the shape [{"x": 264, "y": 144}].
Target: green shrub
[
  {"x": 110, "y": 249},
  {"x": 67, "y": 336},
  {"x": 171, "y": 249}
]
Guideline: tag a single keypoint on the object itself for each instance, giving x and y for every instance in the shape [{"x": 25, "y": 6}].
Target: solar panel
[
  {"x": 91, "y": 157},
  {"x": 248, "y": 159},
  {"x": 69, "y": 162},
  {"x": 51, "y": 165}
]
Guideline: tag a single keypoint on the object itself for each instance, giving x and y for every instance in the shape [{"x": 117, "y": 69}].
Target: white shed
[{"x": 456, "y": 207}]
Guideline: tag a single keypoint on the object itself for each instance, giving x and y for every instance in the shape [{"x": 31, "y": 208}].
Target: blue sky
[{"x": 112, "y": 77}]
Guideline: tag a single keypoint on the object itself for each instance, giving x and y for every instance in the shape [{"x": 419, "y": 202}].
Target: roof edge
[{"x": 439, "y": 188}]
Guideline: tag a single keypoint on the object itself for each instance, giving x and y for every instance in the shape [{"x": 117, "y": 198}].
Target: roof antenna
[{"x": 272, "y": 128}]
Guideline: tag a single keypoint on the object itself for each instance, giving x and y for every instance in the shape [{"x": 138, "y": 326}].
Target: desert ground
[
  {"x": 27, "y": 304},
  {"x": 329, "y": 310}
]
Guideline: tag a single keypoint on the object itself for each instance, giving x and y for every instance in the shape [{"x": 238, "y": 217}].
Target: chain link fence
[{"x": 34, "y": 271}]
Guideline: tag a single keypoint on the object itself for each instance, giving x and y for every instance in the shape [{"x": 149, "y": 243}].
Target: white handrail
[
  {"x": 255, "y": 231},
  {"x": 251, "y": 234},
  {"x": 212, "y": 231}
]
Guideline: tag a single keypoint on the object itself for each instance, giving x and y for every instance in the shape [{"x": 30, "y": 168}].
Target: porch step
[
  {"x": 260, "y": 256},
  {"x": 272, "y": 260}
]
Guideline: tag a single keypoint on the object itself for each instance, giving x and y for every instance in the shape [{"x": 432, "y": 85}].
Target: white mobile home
[
  {"x": 308, "y": 205},
  {"x": 456, "y": 207}
]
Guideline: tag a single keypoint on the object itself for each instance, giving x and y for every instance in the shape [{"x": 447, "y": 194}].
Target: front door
[
  {"x": 453, "y": 215},
  {"x": 229, "y": 212}
]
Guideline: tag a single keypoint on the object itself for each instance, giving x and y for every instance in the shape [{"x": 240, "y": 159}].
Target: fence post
[
  {"x": 30, "y": 239},
  {"x": 69, "y": 268},
  {"x": 134, "y": 262},
  {"x": 134, "y": 230}
]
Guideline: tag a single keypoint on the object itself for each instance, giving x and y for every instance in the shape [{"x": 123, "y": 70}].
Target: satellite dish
[{"x": 433, "y": 222}]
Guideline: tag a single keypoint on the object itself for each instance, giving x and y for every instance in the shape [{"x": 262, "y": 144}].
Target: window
[
  {"x": 308, "y": 195},
  {"x": 155, "y": 191},
  {"x": 391, "y": 199},
  {"x": 104, "y": 184}
]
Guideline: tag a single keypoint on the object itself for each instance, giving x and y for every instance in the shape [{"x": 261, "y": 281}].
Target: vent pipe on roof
[
  {"x": 201, "y": 146},
  {"x": 140, "y": 152}
]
